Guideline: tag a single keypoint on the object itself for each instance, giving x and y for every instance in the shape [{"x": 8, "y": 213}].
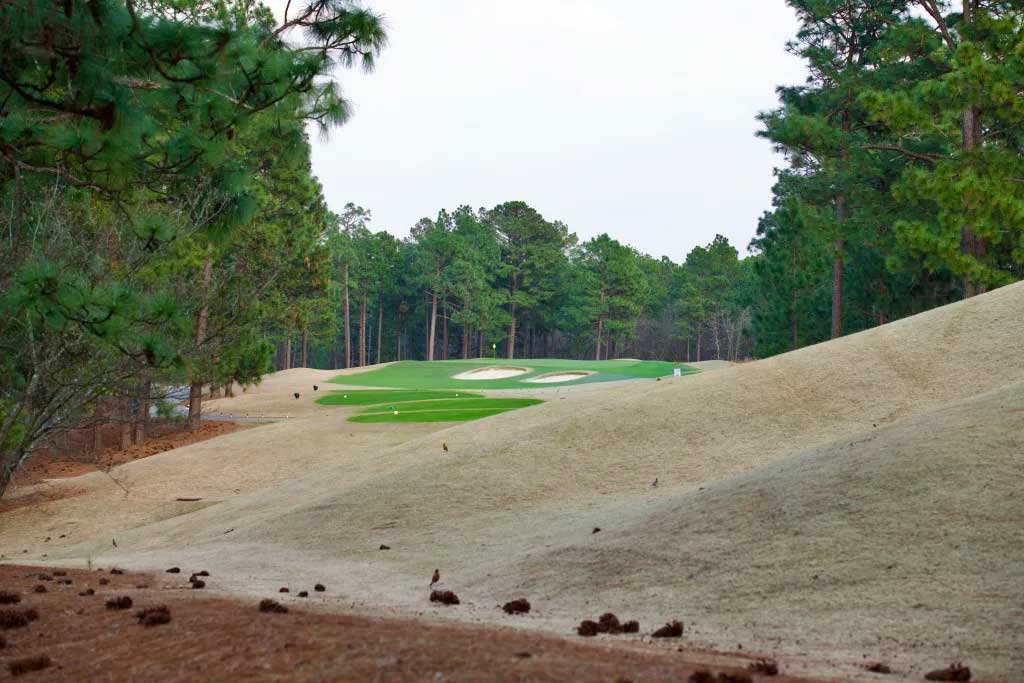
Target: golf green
[{"x": 409, "y": 374}]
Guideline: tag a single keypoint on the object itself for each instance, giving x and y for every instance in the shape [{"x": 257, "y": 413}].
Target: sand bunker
[
  {"x": 493, "y": 372},
  {"x": 553, "y": 377}
]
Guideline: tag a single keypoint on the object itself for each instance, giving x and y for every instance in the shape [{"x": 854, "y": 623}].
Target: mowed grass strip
[
  {"x": 450, "y": 410},
  {"x": 457, "y": 404},
  {"x": 369, "y": 397}
]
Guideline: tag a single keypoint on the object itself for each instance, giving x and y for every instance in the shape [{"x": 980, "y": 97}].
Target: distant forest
[
  {"x": 161, "y": 225},
  {"x": 904, "y": 191}
]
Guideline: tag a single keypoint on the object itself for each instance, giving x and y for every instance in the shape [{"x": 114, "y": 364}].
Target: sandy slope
[{"x": 855, "y": 498}]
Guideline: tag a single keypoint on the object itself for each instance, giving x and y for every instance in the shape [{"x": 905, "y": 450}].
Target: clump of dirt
[
  {"x": 517, "y": 606},
  {"x": 39, "y": 588},
  {"x": 104, "y": 581},
  {"x": 303, "y": 594},
  {"x": 123, "y": 602},
  {"x": 173, "y": 570},
  {"x": 878, "y": 668},
  {"x": 86, "y": 592},
  {"x": 319, "y": 588},
  {"x": 702, "y": 676},
  {"x": 26, "y": 665},
  {"x": 672, "y": 629},
  {"x": 154, "y": 616},
  {"x": 58, "y": 572},
  {"x": 954, "y": 672},
  {"x": 444, "y": 597},
  {"x": 596, "y": 530},
  {"x": 384, "y": 547},
  {"x": 10, "y": 618},
  {"x": 283, "y": 589},
  {"x": 31, "y": 613},
  {"x": 115, "y": 570},
  {"x": 724, "y": 677},
  {"x": 607, "y": 623},
  {"x": 202, "y": 572},
  {"x": 66, "y": 582},
  {"x": 45, "y": 577},
  {"x": 765, "y": 667},
  {"x": 9, "y": 598},
  {"x": 198, "y": 583},
  {"x": 268, "y": 605}
]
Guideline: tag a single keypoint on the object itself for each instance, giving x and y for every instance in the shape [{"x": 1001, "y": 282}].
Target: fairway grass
[
  {"x": 369, "y": 397},
  {"x": 443, "y": 410},
  {"x": 410, "y": 374}
]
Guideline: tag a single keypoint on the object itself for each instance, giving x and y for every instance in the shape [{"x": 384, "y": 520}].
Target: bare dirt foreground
[{"x": 217, "y": 639}]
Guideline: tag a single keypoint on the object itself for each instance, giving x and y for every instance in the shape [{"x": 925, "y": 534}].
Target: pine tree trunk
[
  {"x": 971, "y": 243},
  {"x": 195, "y": 392},
  {"x": 348, "y": 329},
  {"x": 480, "y": 344},
  {"x": 600, "y": 328},
  {"x": 512, "y": 323},
  {"x": 142, "y": 413},
  {"x": 288, "y": 351},
  {"x": 433, "y": 326},
  {"x": 305, "y": 348},
  {"x": 444, "y": 335},
  {"x": 837, "y": 289},
  {"x": 125, "y": 426},
  {"x": 362, "y": 332},
  {"x": 380, "y": 328}
]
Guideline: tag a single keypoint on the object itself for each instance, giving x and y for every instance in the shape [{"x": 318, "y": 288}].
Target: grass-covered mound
[{"x": 411, "y": 374}]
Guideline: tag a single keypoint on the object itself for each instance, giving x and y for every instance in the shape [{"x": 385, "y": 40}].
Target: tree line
[{"x": 507, "y": 282}]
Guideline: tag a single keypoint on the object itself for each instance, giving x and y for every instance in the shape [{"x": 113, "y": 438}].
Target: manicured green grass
[
  {"x": 456, "y": 404},
  {"x": 443, "y": 410},
  {"x": 439, "y": 374},
  {"x": 423, "y": 416},
  {"x": 368, "y": 397}
]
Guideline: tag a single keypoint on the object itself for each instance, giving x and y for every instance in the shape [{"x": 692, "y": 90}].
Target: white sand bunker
[
  {"x": 553, "y": 377},
  {"x": 493, "y": 372}
]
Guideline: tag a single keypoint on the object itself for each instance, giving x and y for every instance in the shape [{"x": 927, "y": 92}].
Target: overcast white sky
[{"x": 635, "y": 119}]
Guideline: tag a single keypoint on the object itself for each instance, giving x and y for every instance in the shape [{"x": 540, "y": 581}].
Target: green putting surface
[{"x": 440, "y": 374}]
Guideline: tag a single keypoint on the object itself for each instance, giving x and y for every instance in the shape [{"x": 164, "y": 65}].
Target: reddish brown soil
[
  {"x": 70, "y": 456},
  {"x": 231, "y": 640}
]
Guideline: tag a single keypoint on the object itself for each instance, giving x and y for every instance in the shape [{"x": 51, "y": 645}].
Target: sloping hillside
[{"x": 859, "y": 497}]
